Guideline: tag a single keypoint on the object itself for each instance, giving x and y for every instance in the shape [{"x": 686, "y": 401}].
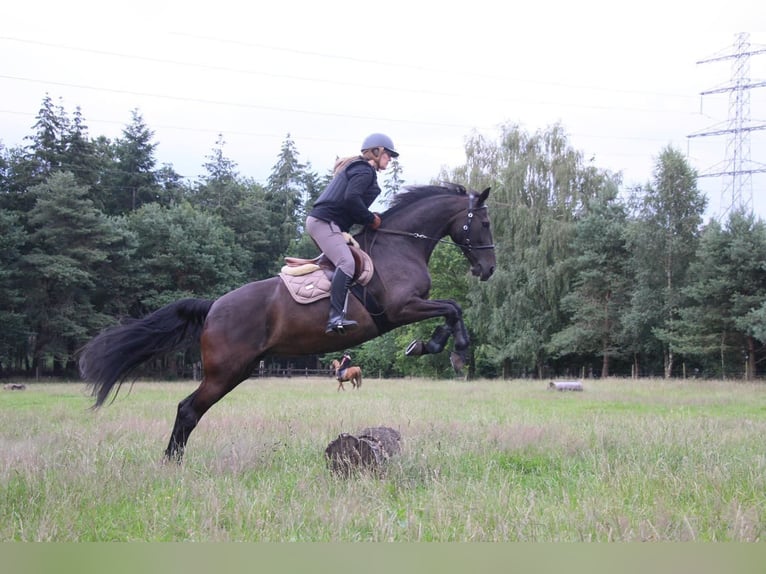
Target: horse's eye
[{"x": 485, "y": 224}]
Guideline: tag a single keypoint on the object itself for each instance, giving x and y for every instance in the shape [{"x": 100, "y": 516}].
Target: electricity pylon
[{"x": 737, "y": 168}]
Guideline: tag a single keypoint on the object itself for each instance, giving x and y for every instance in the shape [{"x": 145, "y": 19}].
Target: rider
[
  {"x": 344, "y": 202},
  {"x": 345, "y": 363}
]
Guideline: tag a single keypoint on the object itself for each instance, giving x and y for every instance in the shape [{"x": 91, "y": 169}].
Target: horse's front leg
[
  {"x": 462, "y": 341},
  {"x": 435, "y": 344},
  {"x": 454, "y": 325}
]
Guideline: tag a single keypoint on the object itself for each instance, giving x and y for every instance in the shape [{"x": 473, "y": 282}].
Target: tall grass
[{"x": 481, "y": 461}]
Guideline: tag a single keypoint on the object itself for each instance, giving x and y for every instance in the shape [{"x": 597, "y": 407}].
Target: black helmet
[{"x": 380, "y": 140}]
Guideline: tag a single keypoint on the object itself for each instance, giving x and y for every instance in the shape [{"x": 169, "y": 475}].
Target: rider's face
[{"x": 383, "y": 160}]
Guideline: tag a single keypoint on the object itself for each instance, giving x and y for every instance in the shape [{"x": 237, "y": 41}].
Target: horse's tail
[
  {"x": 359, "y": 379},
  {"x": 114, "y": 354}
]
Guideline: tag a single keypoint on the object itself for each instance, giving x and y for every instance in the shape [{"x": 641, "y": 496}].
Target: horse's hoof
[
  {"x": 414, "y": 349},
  {"x": 457, "y": 362}
]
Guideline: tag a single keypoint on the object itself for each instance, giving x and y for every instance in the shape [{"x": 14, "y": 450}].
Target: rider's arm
[{"x": 361, "y": 180}]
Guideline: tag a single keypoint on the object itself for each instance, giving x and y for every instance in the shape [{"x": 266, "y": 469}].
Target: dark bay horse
[{"x": 260, "y": 319}]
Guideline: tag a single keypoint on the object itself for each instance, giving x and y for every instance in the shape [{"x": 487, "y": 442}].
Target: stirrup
[{"x": 339, "y": 327}]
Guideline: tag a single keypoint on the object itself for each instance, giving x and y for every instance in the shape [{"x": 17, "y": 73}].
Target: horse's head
[
  {"x": 474, "y": 236},
  {"x": 430, "y": 212}
]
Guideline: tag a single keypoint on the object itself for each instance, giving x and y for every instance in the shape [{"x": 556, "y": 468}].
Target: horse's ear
[{"x": 484, "y": 195}]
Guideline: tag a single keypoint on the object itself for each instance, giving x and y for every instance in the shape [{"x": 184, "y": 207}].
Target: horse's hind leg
[
  {"x": 186, "y": 420},
  {"x": 191, "y": 409}
]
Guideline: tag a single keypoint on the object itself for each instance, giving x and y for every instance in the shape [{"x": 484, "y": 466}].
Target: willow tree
[{"x": 540, "y": 184}]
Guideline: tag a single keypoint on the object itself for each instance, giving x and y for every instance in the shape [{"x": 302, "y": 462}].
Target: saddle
[{"x": 308, "y": 280}]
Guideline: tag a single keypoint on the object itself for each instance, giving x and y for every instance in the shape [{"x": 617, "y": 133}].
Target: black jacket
[{"x": 347, "y": 198}]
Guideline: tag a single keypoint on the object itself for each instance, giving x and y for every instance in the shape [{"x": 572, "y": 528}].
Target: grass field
[{"x": 481, "y": 461}]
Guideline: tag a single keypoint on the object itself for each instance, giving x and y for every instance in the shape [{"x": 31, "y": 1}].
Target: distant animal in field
[
  {"x": 353, "y": 374},
  {"x": 15, "y": 387}
]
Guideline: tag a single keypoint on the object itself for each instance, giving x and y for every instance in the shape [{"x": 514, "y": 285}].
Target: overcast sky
[{"x": 621, "y": 78}]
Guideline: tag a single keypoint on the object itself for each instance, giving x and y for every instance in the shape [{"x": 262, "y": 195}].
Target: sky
[{"x": 624, "y": 80}]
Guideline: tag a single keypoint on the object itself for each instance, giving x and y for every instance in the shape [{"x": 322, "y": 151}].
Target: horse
[
  {"x": 353, "y": 374},
  {"x": 260, "y": 319}
]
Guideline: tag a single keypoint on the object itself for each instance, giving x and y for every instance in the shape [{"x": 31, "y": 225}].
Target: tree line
[{"x": 591, "y": 280}]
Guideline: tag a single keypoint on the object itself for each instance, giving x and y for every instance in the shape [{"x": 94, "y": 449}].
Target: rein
[{"x": 466, "y": 228}]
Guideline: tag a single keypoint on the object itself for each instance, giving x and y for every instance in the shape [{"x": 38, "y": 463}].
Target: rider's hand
[{"x": 375, "y": 222}]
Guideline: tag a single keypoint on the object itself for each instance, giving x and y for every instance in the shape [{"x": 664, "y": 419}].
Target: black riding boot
[{"x": 337, "y": 322}]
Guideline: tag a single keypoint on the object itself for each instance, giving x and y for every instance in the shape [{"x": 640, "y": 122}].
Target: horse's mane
[{"x": 415, "y": 193}]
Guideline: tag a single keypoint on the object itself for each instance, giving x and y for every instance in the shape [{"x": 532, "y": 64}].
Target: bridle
[
  {"x": 467, "y": 230},
  {"x": 465, "y": 245}
]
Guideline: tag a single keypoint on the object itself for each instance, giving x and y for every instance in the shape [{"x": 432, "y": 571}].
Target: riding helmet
[{"x": 380, "y": 140}]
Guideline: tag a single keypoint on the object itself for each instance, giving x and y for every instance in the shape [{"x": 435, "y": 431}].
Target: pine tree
[
  {"x": 241, "y": 205},
  {"x": 48, "y": 144},
  {"x": 69, "y": 245},
  {"x": 286, "y": 197},
  {"x": 131, "y": 180},
  {"x": 13, "y": 238},
  {"x": 718, "y": 323},
  {"x": 600, "y": 282},
  {"x": 219, "y": 191},
  {"x": 663, "y": 240},
  {"x": 78, "y": 153}
]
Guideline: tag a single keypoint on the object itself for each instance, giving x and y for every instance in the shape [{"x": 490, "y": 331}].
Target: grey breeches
[{"x": 330, "y": 240}]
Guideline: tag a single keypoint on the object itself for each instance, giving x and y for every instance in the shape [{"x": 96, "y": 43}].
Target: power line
[
  {"x": 280, "y": 109},
  {"x": 478, "y": 94},
  {"x": 231, "y": 104},
  {"x": 335, "y": 81},
  {"x": 481, "y": 94}
]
